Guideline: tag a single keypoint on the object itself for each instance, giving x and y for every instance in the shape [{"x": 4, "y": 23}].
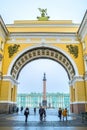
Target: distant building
[
  {"x": 49, "y": 100},
  {"x": 54, "y": 100}
]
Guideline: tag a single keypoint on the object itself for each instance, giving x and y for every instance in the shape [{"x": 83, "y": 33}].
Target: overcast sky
[
  {"x": 31, "y": 76},
  {"x": 11, "y": 10}
]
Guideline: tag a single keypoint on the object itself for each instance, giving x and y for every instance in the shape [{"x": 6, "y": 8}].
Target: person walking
[
  {"x": 17, "y": 110},
  {"x": 44, "y": 114},
  {"x": 41, "y": 113},
  {"x": 64, "y": 113},
  {"x": 60, "y": 113},
  {"x": 26, "y": 113},
  {"x": 21, "y": 108},
  {"x": 34, "y": 110}
]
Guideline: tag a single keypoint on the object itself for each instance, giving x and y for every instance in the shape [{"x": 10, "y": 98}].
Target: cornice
[
  {"x": 3, "y": 26},
  {"x": 41, "y": 25},
  {"x": 85, "y": 57},
  {"x": 75, "y": 79},
  {"x": 82, "y": 31},
  {"x": 42, "y": 34},
  {"x": 72, "y": 38},
  {"x": 9, "y": 78},
  {"x": 7, "y": 101},
  {"x": 85, "y": 76},
  {"x": 79, "y": 102}
]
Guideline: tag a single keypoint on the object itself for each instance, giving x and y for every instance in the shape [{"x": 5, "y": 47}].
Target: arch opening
[{"x": 31, "y": 76}]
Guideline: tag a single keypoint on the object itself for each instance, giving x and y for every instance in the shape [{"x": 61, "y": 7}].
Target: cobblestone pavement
[{"x": 17, "y": 122}]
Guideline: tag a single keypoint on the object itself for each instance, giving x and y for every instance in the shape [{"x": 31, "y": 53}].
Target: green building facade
[{"x": 54, "y": 100}]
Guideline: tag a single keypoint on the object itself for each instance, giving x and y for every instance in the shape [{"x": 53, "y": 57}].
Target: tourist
[
  {"x": 21, "y": 108},
  {"x": 34, "y": 110},
  {"x": 64, "y": 113},
  {"x": 60, "y": 113},
  {"x": 26, "y": 113},
  {"x": 41, "y": 113},
  {"x": 44, "y": 114},
  {"x": 17, "y": 110}
]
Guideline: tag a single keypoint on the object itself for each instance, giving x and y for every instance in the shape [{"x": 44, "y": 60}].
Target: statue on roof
[
  {"x": 43, "y": 12},
  {"x": 44, "y": 16}
]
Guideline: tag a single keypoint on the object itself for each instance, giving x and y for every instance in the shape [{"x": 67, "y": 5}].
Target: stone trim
[
  {"x": 82, "y": 31},
  {"x": 1, "y": 102},
  {"x": 76, "y": 78},
  {"x": 11, "y": 79},
  {"x": 2, "y": 24},
  {"x": 82, "y": 102}
]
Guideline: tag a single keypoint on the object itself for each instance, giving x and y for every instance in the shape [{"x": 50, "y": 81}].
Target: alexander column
[{"x": 44, "y": 101}]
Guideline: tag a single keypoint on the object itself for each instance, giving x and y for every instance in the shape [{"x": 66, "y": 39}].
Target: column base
[
  {"x": 44, "y": 103},
  {"x": 77, "y": 108},
  {"x": 7, "y": 108}
]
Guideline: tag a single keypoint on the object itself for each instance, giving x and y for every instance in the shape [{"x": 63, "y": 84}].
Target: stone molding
[
  {"x": 79, "y": 102},
  {"x": 3, "y": 29},
  {"x": 82, "y": 31},
  {"x": 75, "y": 78},
  {"x": 57, "y": 36},
  {"x": 11, "y": 79},
  {"x": 10, "y": 102}
]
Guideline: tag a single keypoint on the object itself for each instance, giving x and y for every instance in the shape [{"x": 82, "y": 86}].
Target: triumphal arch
[{"x": 60, "y": 40}]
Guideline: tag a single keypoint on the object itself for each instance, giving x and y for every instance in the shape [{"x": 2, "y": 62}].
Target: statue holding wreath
[{"x": 43, "y": 15}]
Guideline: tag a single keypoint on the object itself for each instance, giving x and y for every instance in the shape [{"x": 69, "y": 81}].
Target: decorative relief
[
  {"x": 12, "y": 49},
  {"x": 16, "y": 67},
  {"x": 26, "y": 57},
  {"x": 73, "y": 49},
  {"x": 64, "y": 60}
]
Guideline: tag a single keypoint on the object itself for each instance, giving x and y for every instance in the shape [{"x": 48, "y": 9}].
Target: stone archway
[{"x": 47, "y": 38}]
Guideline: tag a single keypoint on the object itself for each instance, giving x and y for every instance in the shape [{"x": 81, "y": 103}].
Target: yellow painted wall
[
  {"x": 78, "y": 61},
  {"x": 21, "y": 22},
  {"x": 6, "y": 91},
  {"x": 48, "y": 29},
  {"x": 72, "y": 94},
  {"x": 14, "y": 94},
  {"x": 80, "y": 94},
  {"x": 8, "y": 60},
  {"x": 85, "y": 44},
  {"x": 86, "y": 89},
  {"x": 43, "y": 26}
]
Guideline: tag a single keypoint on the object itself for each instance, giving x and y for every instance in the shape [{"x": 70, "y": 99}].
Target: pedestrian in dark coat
[
  {"x": 34, "y": 110},
  {"x": 26, "y": 113},
  {"x": 60, "y": 113},
  {"x": 17, "y": 110},
  {"x": 44, "y": 114},
  {"x": 21, "y": 108},
  {"x": 41, "y": 113}
]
